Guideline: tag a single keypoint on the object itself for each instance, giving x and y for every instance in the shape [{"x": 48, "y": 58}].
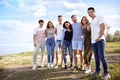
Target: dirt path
[{"x": 111, "y": 58}]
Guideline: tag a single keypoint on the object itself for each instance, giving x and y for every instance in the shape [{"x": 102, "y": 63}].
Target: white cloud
[
  {"x": 16, "y": 31},
  {"x": 74, "y": 5},
  {"x": 113, "y": 21},
  {"x": 36, "y": 8},
  {"x": 75, "y": 12}
]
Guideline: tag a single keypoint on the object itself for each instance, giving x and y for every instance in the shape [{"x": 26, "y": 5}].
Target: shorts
[
  {"x": 57, "y": 45},
  {"x": 77, "y": 44}
]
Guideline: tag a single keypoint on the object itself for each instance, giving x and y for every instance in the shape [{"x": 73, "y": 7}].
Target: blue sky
[{"x": 18, "y": 18}]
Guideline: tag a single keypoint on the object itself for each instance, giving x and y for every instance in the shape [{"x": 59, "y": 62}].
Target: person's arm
[
  {"x": 45, "y": 32},
  {"x": 88, "y": 27},
  {"x": 55, "y": 31},
  {"x": 101, "y": 33},
  {"x": 34, "y": 40}
]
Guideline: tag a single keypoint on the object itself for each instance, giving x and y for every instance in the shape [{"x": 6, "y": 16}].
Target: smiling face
[
  {"x": 84, "y": 20},
  {"x": 91, "y": 13},
  {"x": 67, "y": 25},
  {"x": 60, "y": 19},
  {"x": 74, "y": 18},
  {"x": 41, "y": 24}
]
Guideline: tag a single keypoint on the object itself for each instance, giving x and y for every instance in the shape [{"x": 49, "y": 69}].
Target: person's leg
[
  {"x": 74, "y": 47},
  {"x": 97, "y": 61},
  {"x": 35, "y": 55},
  {"x": 48, "y": 50},
  {"x": 56, "y": 46},
  {"x": 52, "y": 49},
  {"x": 101, "y": 52},
  {"x": 70, "y": 53},
  {"x": 80, "y": 47},
  {"x": 42, "y": 53}
]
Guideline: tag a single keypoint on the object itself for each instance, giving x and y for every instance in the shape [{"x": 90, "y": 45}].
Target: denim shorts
[{"x": 77, "y": 44}]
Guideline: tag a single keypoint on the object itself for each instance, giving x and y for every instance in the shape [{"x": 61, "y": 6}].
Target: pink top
[{"x": 40, "y": 34}]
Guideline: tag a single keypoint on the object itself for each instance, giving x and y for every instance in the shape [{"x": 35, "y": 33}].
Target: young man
[
  {"x": 98, "y": 42},
  {"x": 77, "y": 41},
  {"x": 39, "y": 42},
  {"x": 58, "y": 45}
]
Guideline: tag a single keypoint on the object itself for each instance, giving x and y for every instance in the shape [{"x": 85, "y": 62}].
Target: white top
[
  {"x": 59, "y": 31},
  {"x": 95, "y": 28},
  {"x": 40, "y": 34}
]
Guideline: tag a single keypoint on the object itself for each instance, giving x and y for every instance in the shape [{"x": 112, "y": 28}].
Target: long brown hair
[
  {"x": 48, "y": 24},
  {"x": 87, "y": 21}
]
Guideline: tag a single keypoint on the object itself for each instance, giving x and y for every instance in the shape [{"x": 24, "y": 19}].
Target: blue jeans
[
  {"x": 67, "y": 44},
  {"x": 99, "y": 51},
  {"x": 50, "y": 45}
]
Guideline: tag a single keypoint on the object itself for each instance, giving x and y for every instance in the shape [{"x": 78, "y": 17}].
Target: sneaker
[
  {"x": 94, "y": 73},
  {"x": 52, "y": 65},
  {"x": 34, "y": 67},
  {"x": 65, "y": 67},
  {"x": 106, "y": 77},
  {"x": 41, "y": 66},
  {"x": 87, "y": 71},
  {"x": 56, "y": 65},
  {"x": 75, "y": 68},
  {"x": 48, "y": 65}
]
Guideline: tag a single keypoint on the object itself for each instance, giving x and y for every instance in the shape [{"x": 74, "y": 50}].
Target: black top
[{"x": 68, "y": 35}]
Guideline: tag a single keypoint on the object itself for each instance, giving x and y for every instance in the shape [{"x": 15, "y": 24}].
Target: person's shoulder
[{"x": 99, "y": 17}]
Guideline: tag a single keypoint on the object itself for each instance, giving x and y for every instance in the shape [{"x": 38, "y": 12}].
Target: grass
[
  {"x": 18, "y": 67},
  {"x": 113, "y": 47}
]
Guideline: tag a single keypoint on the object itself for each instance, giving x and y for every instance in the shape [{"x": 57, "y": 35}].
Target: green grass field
[{"x": 113, "y": 47}]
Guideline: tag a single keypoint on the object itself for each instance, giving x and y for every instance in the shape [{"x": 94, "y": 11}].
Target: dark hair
[
  {"x": 65, "y": 26},
  {"x": 73, "y": 16},
  {"x": 48, "y": 24},
  {"x": 59, "y": 15},
  {"x": 91, "y": 8},
  {"x": 41, "y": 21}
]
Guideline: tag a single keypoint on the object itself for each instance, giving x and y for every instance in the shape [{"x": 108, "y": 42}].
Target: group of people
[{"x": 73, "y": 37}]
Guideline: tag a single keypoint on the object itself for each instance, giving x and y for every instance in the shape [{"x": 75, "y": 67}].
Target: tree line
[{"x": 112, "y": 37}]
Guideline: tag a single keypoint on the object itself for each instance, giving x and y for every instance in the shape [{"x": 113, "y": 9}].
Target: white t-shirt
[
  {"x": 59, "y": 31},
  {"x": 40, "y": 34},
  {"x": 95, "y": 28}
]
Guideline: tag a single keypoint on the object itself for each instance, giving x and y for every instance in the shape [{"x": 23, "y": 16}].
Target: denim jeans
[
  {"x": 67, "y": 44},
  {"x": 99, "y": 51},
  {"x": 50, "y": 45}
]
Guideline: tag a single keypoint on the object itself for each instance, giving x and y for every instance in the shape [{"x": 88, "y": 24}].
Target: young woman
[
  {"x": 50, "y": 42},
  {"x": 67, "y": 42},
  {"x": 87, "y": 42}
]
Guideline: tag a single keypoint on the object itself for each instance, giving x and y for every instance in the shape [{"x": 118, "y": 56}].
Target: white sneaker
[
  {"x": 87, "y": 71},
  {"x": 52, "y": 65},
  {"x": 106, "y": 77},
  {"x": 34, "y": 67},
  {"x": 48, "y": 65},
  {"x": 41, "y": 66}
]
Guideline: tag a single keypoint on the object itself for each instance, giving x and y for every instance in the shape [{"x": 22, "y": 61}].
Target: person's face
[
  {"x": 41, "y": 24},
  {"x": 91, "y": 13},
  {"x": 60, "y": 19},
  {"x": 74, "y": 19},
  {"x": 67, "y": 25},
  {"x": 84, "y": 20},
  {"x": 50, "y": 25}
]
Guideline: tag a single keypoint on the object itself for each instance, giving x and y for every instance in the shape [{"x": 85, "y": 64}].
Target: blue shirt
[{"x": 77, "y": 31}]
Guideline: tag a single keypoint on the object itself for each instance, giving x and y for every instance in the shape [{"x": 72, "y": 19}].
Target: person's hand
[
  {"x": 98, "y": 39},
  {"x": 34, "y": 45}
]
